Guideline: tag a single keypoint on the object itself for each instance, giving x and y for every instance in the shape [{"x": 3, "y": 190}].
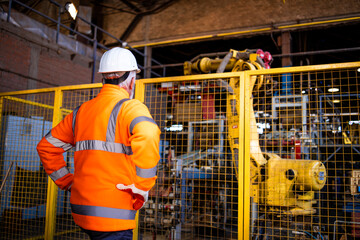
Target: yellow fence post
[
  {"x": 139, "y": 95},
  {"x": 50, "y": 222},
  {"x": 246, "y": 166},
  {"x": 244, "y": 157},
  {"x": 241, "y": 156}
]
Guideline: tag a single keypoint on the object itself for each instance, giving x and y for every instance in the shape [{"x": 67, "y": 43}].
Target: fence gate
[{"x": 198, "y": 194}]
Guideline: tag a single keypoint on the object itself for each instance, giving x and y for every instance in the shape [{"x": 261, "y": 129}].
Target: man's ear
[{"x": 132, "y": 85}]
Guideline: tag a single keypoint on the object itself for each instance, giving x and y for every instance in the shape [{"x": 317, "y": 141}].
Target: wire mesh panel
[
  {"x": 195, "y": 196},
  {"x": 25, "y": 119},
  {"x": 306, "y": 184},
  {"x": 261, "y": 154}
]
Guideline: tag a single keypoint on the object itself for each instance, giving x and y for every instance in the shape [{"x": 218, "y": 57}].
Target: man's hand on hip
[{"x": 140, "y": 196}]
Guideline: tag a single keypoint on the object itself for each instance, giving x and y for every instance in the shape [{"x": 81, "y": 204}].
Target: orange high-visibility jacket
[{"x": 116, "y": 141}]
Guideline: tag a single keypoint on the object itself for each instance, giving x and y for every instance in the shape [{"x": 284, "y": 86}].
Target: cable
[{"x": 310, "y": 234}]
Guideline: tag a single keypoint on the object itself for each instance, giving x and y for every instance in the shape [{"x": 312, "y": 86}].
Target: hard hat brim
[{"x": 137, "y": 71}]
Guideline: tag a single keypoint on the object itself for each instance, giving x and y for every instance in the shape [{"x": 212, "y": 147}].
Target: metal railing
[{"x": 95, "y": 43}]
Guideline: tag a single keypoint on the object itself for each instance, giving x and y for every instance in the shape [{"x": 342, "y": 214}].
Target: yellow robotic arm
[{"x": 284, "y": 178}]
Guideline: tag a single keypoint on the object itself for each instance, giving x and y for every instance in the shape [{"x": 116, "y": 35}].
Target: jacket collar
[{"x": 111, "y": 89}]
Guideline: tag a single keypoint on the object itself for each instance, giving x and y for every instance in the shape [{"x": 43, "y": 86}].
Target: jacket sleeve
[
  {"x": 51, "y": 148},
  {"x": 144, "y": 139}
]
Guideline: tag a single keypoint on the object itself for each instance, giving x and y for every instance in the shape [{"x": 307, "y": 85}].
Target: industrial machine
[
  {"x": 197, "y": 175},
  {"x": 280, "y": 187}
]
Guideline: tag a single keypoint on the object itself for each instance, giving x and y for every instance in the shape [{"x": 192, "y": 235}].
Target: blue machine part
[
  {"x": 352, "y": 207},
  {"x": 286, "y": 84},
  {"x": 163, "y": 150}
]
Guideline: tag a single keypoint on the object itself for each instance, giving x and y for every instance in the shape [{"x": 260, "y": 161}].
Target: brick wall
[
  {"x": 186, "y": 18},
  {"x": 28, "y": 61}
]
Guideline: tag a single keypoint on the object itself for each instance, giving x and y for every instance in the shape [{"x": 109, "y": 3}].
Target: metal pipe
[
  {"x": 168, "y": 65},
  {"x": 56, "y": 3},
  {"x": 215, "y": 54},
  {"x": 356, "y": 150},
  {"x": 146, "y": 52},
  {"x": 95, "y": 43},
  {"x": 9, "y": 11},
  {"x": 338, "y": 149},
  {"x": 94, "y": 55},
  {"x": 6, "y": 176},
  {"x": 58, "y": 26}
]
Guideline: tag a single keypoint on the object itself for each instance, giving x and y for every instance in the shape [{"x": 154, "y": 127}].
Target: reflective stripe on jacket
[{"x": 116, "y": 141}]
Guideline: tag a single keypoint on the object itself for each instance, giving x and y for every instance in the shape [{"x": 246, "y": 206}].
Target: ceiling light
[
  {"x": 336, "y": 101},
  {"x": 70, "y": 7},
  {"x": 358, "y": 70},
  {"x": 333, "y": 89}
]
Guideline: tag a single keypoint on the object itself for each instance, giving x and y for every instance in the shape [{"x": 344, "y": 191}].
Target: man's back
[
  {"x": 116, "y": 152},
  {"x": 113, "y": 138}
]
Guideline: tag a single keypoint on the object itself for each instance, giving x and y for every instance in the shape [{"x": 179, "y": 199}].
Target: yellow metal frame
[
  {"x": 244, "y": 147},
  {"x": 47, "y": 90},
  {"x": 244, "y": 129}
]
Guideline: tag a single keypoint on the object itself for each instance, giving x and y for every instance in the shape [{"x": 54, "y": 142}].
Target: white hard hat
[{"x": 118, "y": 60}]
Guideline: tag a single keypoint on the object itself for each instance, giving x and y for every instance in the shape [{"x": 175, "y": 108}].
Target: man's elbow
[
  {"x": 40, "y": 148},
  {"x": 150, "y": 134}
]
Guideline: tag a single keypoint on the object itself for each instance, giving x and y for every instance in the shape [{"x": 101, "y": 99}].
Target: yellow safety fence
[{"x": 259, "y": 154}]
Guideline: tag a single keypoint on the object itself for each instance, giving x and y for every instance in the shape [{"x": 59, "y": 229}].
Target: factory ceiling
[{"x": 138, "y": 8}]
